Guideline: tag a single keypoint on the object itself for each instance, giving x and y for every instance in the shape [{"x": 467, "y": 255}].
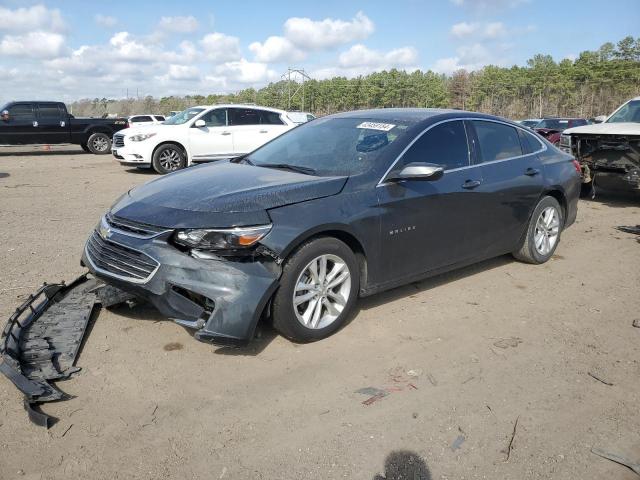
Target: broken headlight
[{"x": 221, "y": 238}]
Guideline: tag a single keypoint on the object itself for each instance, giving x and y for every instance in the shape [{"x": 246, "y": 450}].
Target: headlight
[
  {"x": 141, "y": 136},
  {"x": 222, "y": 238},
  {"x": 565, "y": 140}
]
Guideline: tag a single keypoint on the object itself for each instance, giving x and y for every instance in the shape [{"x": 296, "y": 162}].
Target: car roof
[
  {"x": 240, "y": 105},
  {"x": 418, "y": 116}
]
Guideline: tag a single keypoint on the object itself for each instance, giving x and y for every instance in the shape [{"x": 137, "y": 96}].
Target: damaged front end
[
  {"x": 43, "y": 337},
  {"x": 613, "y": 159}
]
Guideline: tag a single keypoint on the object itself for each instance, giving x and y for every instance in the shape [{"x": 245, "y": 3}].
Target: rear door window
[
  {"x": 244, "y": 116},
  {"x": 497, "y": 141},
  {"x": 49, "y": 112},
  {"x": 444, "y": 145},
  {"x": 270, "y": 118},
  {"x": 160, "y": 118}
]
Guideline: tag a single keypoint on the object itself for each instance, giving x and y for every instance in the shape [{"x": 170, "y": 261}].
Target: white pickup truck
[
  {"x": 609, "y": 152},
  {"x": 199, "y": 134}
]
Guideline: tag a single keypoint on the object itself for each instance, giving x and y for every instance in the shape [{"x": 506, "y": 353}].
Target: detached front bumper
[{"x": 221, "y": 299}]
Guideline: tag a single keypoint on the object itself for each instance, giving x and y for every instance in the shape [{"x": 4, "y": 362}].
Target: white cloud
[
  {"x": 105, "y": 20},
  {"x": 276, "y": 49},
  {"x": 33, "y": 44},
  {"x": 472, "y": 57},
  {"x": 361, "y": 56},
  {"x": 219, "y": 47},
  {"x": 491, "y": 30},
  {"x": 464, "y": 29},
  {"x": 29, "y": 19},
  {"x": 183, "y": 72},
  {"x": 246, "y": 72},
  {"x": 178, "y": 24},
  {"x": 328, "y": 33}
]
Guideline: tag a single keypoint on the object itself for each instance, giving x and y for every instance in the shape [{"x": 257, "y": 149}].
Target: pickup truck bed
[{"x": 38, "y": 123}]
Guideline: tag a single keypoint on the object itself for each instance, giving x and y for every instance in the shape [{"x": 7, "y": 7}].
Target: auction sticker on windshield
[{"x": 385, "y": 127}]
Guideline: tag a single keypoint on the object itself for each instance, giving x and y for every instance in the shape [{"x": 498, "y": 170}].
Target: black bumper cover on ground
[{"x": 42, "y": 339}]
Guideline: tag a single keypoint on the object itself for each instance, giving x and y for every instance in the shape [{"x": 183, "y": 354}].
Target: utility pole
[{"x": 295, "y": 76}]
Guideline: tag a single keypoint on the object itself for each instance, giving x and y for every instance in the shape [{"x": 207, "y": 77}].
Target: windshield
[
  {"x": 553, "y": 123},
  {"x": 330, "y": 146},
  {"x": 184, "y": 116},
  {"x": 629, "y": 112}
]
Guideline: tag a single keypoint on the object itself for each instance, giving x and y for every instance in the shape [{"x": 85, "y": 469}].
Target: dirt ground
[{"x": 464, "y": 356}]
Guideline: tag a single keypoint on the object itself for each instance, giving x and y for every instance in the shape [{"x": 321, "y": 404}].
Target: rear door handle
[
  {"x": 35, "y": 124},
  {"x": 469, "y": 184},
  {"x": 264, "y": 131},
  {"x": 225, "y": 133},
  {"x": 531, "y": 172}
]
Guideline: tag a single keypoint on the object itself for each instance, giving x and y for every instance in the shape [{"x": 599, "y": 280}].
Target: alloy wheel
[
  {"x": 547, "y": 230},
  {"x": 100, "y": 144},
  {"x": 321, "y": 291},
  {"x": 170, "y": 159}
]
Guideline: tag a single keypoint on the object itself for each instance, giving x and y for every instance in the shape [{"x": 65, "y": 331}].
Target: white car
[
  {"x": 608, "y": 151},
  {"x": 199, "y": 134},
  {"x": 138, "y": 120}
]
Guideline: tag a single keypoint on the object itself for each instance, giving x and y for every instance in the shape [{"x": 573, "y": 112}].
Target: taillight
[{"x": 577, "y": 166}]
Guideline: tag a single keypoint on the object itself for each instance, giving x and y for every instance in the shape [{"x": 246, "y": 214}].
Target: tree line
[{"x": 594, "y": 83}]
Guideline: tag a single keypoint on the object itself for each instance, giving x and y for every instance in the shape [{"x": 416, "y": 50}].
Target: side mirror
[
  {"x": 199, "y": 123},
  {"x": 5, "y": 115},
  {"x": 600, "y": 119},
  {"x": 419, "y": 171}
]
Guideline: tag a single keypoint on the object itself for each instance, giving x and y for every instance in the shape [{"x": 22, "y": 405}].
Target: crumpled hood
[
  {"x": 622, "y": 128},
  {"x": 222, "y": 194}
]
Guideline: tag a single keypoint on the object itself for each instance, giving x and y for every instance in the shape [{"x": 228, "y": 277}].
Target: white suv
[{"x": 199, "y": 134}]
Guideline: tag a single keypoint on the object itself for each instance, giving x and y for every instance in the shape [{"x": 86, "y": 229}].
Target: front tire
[
  {"x": 99, "y": 143},
  {"x": 85, "y": 147},
  {"x": 168, "y": 158},
  {"x": 543, "y": 233},
  {"x": 318, "y": 290}
]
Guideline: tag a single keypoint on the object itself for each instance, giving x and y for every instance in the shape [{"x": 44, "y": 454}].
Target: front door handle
[
  {"x": 35, "y": 124},
  {"x": 469, "y": 184},
  {"x": 264, "y": 131},
  {"x": 531, "y": 172},
  {"x": 225, "y": 133}
]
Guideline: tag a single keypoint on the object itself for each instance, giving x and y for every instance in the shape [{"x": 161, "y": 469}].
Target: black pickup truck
[{"x": 46, "y": 123}]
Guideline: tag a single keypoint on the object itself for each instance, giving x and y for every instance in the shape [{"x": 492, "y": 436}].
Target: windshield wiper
[{"x": 286, "y": 166}]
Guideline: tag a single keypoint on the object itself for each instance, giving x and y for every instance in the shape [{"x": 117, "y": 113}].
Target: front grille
[
  {"x": 136, "y": 228},
  {"x": 118, "y": 260},
  {"x": 118, "y": 140}
]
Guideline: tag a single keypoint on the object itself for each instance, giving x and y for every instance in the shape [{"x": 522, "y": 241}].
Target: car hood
[
  {"x": 222, "y": 194},
  {"x": 623, "y": 128}
]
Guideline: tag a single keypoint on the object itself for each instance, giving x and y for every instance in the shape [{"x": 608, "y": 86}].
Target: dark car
[
  {"x": 49, "y": 123},
  {"x": 552, "y": 128},
  {"x": 345, "y": 206}
]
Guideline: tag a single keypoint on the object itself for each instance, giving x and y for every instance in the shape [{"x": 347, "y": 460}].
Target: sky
[{"x": 71, "y": 49}]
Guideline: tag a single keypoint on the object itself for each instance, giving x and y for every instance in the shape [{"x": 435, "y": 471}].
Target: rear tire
[
  {"x": 168, "y": 158},
  {"x": 99, "y": 143},
  {"x": 314, "y": 301},
  {"x": 543, "y": 232},
  {"x": 85, "y": 147}
]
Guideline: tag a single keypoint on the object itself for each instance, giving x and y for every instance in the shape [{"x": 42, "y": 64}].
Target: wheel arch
[
  {"x": 559, "y": 195},
  {"x": 171, "y": 142},
  {"x": 342, "y": 233}
]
